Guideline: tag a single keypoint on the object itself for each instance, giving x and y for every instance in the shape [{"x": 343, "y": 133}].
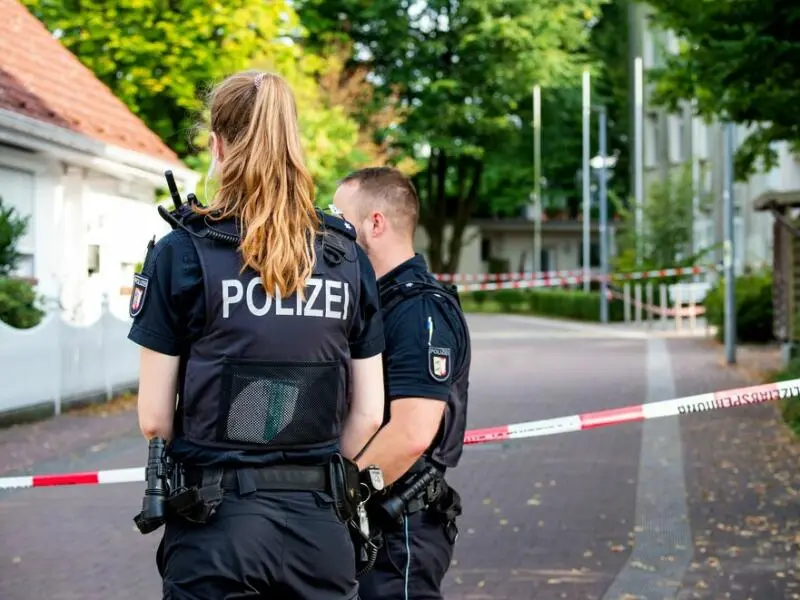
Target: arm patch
[{"x": 439, "y": 363}]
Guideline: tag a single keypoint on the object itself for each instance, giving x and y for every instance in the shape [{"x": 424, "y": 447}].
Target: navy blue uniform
[
  {"x": 427, "y": 356},
  {"x": 260, "y": 543}
]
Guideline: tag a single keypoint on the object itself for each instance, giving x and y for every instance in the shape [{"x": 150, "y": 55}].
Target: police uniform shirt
[
  {"x": 414, "y": 327},
  {"x": 173, "y": 317}
]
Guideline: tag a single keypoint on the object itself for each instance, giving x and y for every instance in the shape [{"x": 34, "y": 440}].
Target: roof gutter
[{"x": 25, "y": 132}]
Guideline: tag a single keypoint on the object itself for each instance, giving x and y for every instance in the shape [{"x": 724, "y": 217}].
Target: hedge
[
  {"x": 584, "y": 306},
  {"x": 790, "y": 407},
  {"x": 18, "y": 304},
  {"x": 753, "y": 301}
]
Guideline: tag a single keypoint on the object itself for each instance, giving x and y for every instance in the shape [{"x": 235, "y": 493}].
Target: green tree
[
  {"x": 463, "y": 71},
  {"x": 667, "y": 224},
  {"x": 158, "y": 55},
  {"x": 12, "y": 228},
  {"x": 740, "y": 60},
  {"x": 18, "y": 302}
]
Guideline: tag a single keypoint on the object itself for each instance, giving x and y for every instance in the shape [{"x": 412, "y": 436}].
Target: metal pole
[
  {"x": 587, "y": 215},
  {"x": 603, "y": 218},
  {"x": 695, "y": 184},
  {"x": 638, "y": 155},
  {"x": 728, "y": 249},
  {"x": 537, "y": 176}
]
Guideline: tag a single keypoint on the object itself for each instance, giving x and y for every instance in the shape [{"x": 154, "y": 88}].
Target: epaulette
[{"x": 338, "y": 224}]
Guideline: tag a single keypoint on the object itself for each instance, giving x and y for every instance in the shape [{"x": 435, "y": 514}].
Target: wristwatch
[{"x": 372, "y": 477}]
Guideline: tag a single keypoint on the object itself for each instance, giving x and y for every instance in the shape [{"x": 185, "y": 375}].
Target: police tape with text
[{"x": 756, "y": 394}]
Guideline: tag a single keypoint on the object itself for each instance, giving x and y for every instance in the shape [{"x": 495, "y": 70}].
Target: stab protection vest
[
  {"x": 270, "y": 373},
  {"x": 447, "y": 446}
]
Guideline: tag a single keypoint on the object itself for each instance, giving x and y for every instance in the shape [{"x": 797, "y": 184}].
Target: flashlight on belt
[
  {"x": 394, "y": 506},
  {"x": 155, "y": 494}
]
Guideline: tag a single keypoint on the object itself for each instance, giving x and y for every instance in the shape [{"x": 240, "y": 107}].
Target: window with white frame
[
  {"x": 672, "y": 43},
  {"x": 699, "y": 139},
  {"x": 675, "y": 138},
  {"x": 739, "y": 245},
  {"x": 648, "y": 48},
  {"x": 651, "y": 140}
]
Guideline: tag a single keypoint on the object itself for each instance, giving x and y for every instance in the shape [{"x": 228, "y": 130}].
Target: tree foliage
[
  {"x": 740, "y": 60},
  {"x": 667, "y": 216},
  {"x": 463, "y": 74},
  {"x": 18, "y": 301},
  {"x": 160, "y": 57},
  {"x": 12, "y": 227}
]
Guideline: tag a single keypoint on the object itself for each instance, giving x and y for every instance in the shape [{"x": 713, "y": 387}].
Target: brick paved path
[{"x": 545, "y": 519}]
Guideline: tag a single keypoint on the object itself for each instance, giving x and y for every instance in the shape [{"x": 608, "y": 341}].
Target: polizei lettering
[
  {"x": 324, "y": 298},
  {"x": 742, "y": 399}
]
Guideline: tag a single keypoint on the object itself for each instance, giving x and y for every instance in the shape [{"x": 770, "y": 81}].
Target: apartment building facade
[{"x": 675, "y": 141}]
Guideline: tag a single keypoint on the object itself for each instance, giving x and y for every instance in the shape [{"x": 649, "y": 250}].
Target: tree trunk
[
  {"x": 465, "y": 208},
  {"x": 434, "y": 214}
]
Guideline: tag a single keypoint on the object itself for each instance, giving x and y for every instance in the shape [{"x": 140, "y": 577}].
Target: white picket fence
[
  {"x": 678, "y": 306},
  {"x": 57, "y": 362}
]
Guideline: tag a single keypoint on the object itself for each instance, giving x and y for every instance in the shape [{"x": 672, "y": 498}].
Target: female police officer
[{"x": 262, "y": 313}]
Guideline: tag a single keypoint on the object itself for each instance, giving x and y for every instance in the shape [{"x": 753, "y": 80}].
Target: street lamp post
[
  {"x": 603, "y": 217},
  {"x": 587, "y": 213},
  {"x": 537, "y": 176}
]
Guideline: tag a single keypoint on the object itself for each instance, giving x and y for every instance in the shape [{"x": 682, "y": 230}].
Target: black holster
[
  {"x": 343, "y": 478},
  {"x": 445, "y": 509},
  {"x": 196, "y": 504}
]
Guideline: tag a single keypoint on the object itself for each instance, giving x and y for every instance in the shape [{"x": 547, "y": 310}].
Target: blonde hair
[{"x": 264, "y": 181}]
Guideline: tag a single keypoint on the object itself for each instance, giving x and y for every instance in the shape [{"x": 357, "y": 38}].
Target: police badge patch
[
  {"x": 138, "y": 294},
  {"x": 439, "y": 363}
]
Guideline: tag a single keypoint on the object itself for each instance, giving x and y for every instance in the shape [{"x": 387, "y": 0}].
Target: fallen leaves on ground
[{"x": 118, "y": 404}]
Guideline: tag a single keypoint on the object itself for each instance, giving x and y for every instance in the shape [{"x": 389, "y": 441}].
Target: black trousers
[
  {"x": 281, "y": 545},
  {"x": 412, "y": 562}
]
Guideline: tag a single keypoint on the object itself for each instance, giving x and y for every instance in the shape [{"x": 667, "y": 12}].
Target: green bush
[
  {"x": 580, "y": 305},
  {"x": 790, "y": 407},
  {"x": 753, "y": 301},
  {"x": 18, "y": 304},
  {"x": 479, "y": 297}
]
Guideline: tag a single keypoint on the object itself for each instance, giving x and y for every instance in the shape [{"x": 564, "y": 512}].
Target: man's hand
[{"x": 412, "y": 426}]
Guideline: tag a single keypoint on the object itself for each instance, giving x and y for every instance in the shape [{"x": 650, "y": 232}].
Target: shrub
[
  {"x": 790, "y": 407},
  {"x": 552, "y": 302},
  {"x": 753, "y": 302},
  {"x": 18, "y": 304},
  {"x": 479, "y": 297}
]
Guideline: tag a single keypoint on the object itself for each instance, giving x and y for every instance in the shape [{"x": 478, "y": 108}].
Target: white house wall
[
  {"x": 71, "y": 208},
  {"x": 32, "y": 183},
  {"x": 120, "y": 218}
]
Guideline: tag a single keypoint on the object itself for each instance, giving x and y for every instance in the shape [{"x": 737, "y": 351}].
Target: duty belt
[{"x": 273, "y": 478}]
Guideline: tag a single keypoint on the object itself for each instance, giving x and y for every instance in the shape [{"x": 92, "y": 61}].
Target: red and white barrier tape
[
  {"x": 756, "y": 394},
  {"x": 523, "y": 276},
  {"x": 555, "y": 278},
  {"x": 517, "y": 285}
]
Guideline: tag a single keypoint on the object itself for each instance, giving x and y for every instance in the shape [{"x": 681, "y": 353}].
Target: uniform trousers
[
  {"x": 263, "y": 544},
  {"x": 412, "y": 562}
]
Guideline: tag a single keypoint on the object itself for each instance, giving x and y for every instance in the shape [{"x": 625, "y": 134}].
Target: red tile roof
[{"x": 41, "y": 79}]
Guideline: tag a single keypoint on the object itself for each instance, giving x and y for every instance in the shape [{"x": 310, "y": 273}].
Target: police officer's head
[
  {"x": 263, "y": 179},
  {"x": 383, "y": 205}
]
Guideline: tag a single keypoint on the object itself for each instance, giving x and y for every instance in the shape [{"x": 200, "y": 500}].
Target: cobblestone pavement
[{"x": 545, "y": 518}]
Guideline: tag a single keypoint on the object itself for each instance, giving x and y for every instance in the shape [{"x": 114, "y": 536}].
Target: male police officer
[{"x": 427, "y": 360}]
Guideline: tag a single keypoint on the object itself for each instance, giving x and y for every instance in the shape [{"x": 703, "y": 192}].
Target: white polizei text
[{"x": 324, "y": 298}]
